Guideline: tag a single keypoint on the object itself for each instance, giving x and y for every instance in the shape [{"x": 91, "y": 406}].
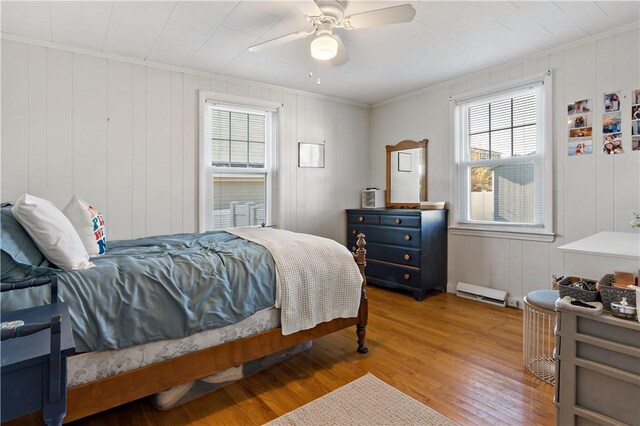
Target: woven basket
[
  {"x": 614, "y": 294},
  {"x": 566, "y": 288}
]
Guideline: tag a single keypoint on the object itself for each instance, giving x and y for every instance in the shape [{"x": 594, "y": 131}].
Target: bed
[{"x": 198, "y": 339}]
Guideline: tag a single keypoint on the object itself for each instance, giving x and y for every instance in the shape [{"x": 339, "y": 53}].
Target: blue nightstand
[{"x": 34, "y": 367}]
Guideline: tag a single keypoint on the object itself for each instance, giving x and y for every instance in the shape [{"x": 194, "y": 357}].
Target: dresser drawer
[
  {"x": 404, "y": 221},
  {"x": 393, "y": 273},
  {"x": 371, "y": 219},
  {"x": 403, "y": 256},
  {"x": 405, "y": 237}
]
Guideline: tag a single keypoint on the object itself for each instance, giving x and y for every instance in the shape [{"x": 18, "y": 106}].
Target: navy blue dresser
[{"x": 406, "y": 249}]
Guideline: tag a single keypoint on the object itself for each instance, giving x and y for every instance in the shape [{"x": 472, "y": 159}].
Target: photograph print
[
  {"x": 611, "y": 123},
  {"x": 584, "y": 132},
  {"x": 579, "y": 107},
  {"x": 635, "y": 97},
  {"x": 635, "y": 112},
  {"x": 635, "y": 143},
  {"x": 580, "y": 120},
  {"x": 611, "y": 102},
  {"x": 635, "y": 128},
  {"x": 580, "y": 147},
  {"x": 612, "y": 143}
]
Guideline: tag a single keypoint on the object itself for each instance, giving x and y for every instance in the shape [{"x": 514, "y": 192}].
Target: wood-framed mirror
[{"x": 406, "y": 174}]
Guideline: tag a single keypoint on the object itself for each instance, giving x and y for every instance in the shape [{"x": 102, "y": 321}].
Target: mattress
[{"x": 87, "y": 367}]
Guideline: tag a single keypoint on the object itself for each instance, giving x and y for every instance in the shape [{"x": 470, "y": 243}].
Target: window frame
[
  {"x": 542, "y": 158},
  {"x": 206, "y": 170}
]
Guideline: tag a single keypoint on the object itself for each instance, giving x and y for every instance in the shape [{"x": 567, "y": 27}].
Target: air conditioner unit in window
[{"x": 482, "y": 294}]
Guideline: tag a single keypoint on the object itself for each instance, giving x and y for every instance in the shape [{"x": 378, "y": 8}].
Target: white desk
[{"x": 602, "y": 253}]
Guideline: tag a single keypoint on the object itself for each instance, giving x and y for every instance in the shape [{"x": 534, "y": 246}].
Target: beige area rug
[{"x": 366, "y": 401}]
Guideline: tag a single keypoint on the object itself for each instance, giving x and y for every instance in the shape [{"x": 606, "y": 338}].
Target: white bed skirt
[{"x": 91, "y": 366}]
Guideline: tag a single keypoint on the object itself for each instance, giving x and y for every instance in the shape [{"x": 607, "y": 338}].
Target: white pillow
[
  {"x": 89, "y": 225},
  {"x": 52, "y": 232}
]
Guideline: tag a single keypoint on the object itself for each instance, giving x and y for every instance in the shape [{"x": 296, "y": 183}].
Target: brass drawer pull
[
  {"x": 407, "y": 257},
  {"x": 354, "y": 232},
  {"x": 353, "y": 248},
  {"x": 398, "y": 221},
  {"x": 407, "y": 237},
  {"x": 407, "y": 276},
  {"x": 360, "y": 219}
]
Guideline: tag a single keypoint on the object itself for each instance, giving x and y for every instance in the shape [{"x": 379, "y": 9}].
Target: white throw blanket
[{"x": 317, "y": 279}]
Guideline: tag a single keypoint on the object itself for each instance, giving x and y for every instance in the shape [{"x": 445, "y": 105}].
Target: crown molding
[
  {"x": 430, "y": 88},
  {"x": 126, "y": 59},
  {"x": 566, "y": 46}
]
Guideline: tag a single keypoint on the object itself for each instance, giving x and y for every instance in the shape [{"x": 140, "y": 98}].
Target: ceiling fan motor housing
[{"x": 324, "y": 29}]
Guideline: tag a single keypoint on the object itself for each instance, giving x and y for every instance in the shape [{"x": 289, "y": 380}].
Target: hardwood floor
[{"x": 459, "y": 357}]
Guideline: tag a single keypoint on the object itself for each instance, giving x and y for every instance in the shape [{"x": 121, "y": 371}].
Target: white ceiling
[{"x": 447, "y": 39}]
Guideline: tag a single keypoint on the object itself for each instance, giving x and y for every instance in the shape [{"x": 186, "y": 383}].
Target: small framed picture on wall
[{"x": 310, "y": 155}]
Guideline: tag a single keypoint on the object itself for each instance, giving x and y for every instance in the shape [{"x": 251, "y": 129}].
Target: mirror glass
[{"x": 406, "y": 174}]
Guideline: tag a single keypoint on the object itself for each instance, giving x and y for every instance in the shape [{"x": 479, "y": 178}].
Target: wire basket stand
[{"x": 538, "y": 342}]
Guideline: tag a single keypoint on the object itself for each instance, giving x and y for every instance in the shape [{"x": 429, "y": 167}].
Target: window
[
  {"x": 237, "y": 162},
  {"x": 503, "y": 158}
]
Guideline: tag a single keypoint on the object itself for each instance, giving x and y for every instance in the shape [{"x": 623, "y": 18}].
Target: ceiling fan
[{"x": 327, "y": 15}]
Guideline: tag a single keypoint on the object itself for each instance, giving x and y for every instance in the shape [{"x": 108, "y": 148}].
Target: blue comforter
[{"x": 164, "y": 287}]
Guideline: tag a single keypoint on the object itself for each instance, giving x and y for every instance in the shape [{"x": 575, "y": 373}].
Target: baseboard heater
[{"x": 482, "y": 294}]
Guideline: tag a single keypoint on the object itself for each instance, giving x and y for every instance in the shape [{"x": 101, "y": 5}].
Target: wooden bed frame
[{"x": 103, "y": 394}]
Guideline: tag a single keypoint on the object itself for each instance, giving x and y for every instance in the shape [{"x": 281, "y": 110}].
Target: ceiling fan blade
[
  {"x": 389, "y": 15},
  {"x": 308, "y": 7},
  {"x": 280, "y": 40},
  {"x": 342, "y": 57}
]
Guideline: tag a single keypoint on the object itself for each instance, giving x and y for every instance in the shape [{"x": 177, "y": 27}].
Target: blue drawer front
[
  {"x": 394, "y": 273},
  {"x": 401, "y": 255},
  {"x": 406, "y": 237},
  {"x": 371, "y": 219},
  {"x": 404, "y": 221}
]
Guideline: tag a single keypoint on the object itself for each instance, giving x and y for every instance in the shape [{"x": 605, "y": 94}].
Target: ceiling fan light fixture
[{"x": 324, "y": 47}]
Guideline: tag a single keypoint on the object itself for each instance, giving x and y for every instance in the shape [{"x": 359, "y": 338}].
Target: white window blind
[
  {"x": 502, "y": 158},
  {"x": 237, "y": 139},
  {"x": 238, "y": 166}
]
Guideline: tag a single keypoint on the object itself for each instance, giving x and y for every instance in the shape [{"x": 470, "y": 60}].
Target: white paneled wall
[
  {"x": 592, "y": 193},
  {"x": 124, "y": 137}
]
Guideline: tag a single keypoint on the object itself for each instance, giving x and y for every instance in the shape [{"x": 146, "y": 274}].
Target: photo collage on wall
[
  {"x": 612, "y": 124},
  {"x": 635, "y": 120},
  {"x": 580, "y": 128}
]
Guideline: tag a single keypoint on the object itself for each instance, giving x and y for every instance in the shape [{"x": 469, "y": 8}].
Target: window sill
[{"x": 511, "y": 233}]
